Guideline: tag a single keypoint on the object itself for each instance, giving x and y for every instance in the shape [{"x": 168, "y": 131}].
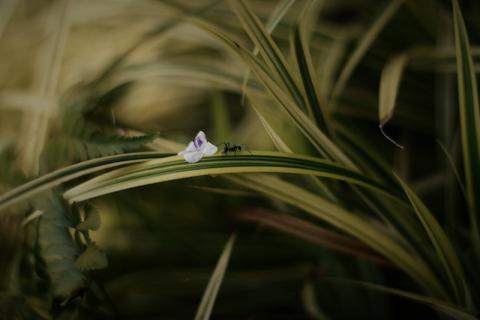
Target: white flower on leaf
[{"x": 198, "y": 148}]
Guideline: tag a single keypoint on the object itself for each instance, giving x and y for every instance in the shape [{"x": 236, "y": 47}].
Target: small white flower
[{"x": 198, "y": 148}]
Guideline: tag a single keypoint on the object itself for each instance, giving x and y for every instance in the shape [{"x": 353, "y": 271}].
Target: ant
[{"x": 227, "y": 147}]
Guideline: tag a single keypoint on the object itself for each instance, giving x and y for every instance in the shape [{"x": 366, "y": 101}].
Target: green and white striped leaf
[
  {"x": 60, "y": 176},
  {"x": 308, "y": 75},
  {"x": 277, "y": 14},
  {"x": 175, "y": 167},
  {"x": 276, "y": 62},
  {"x": 318, "y": 139}
]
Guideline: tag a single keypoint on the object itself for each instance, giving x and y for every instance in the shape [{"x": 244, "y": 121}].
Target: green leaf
[
  {"x": 371, "y": 234},
  {"x": 277, "y": 14},
  {"x": 272, "y": 55},
  {"x": 57, "y": 177},
  {"x": 309, "y": 77},
  {"x": 209, "y": 296},
  {"x": 318, "y": 139},
  {"x": 175, "y": 167},
  {"x": 469, "y": 120},
  {"x": 442, "y": 246},
  {"x": 57, "y": 247}
]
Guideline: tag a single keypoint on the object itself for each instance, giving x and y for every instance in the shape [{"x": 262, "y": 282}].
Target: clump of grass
[{"x": 340, "y": 213}]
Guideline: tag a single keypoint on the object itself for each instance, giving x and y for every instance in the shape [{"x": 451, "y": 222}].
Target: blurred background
[{"x": 80, "y": 79}]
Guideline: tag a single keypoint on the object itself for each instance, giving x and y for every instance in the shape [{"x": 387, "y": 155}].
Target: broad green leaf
[
  {"x": 364, "y": 44},
  {"x": 175, "y": 167},
  {"x": 57, "y": 247},
  {"x": 209, "y": 296},
  {"x": 439, "y": 305},
  {"x": 442, "y": 245},
  {"x": 369, "y": 233},
  {"x": 469, "y": 110},
  {"x": 389, "y": 86}
]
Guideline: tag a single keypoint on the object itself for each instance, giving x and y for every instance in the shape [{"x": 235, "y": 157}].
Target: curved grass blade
[
  {"x": 272, "y": 55},
  {"x": 389, "y": 85},
  {"x": 175, "y": 168},
  {"x": 277, "y": 14},
  {"x": 369, "y": 233},
  {"x": 205, "y": 72},
  {"x": 60, "y": 176},
  {"x": 206, "y": 305},
  {"x": 364, "y": 45},
  {"x": 442, "y": 245},
  {"x": 469, "y": 120},
  {"x": 309, "y": 77},
  {"x": 441, "y": 306},
  {"x": 318, "y": 139}
]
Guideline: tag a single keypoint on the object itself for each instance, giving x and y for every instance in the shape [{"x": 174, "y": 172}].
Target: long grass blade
[
  {"x": 175, "y": 168},
  {"x": 209, "y": 296},
  {"x": 69, "y": 173},
  {"x": 308, "y": 75},
  {"x": 469, "y": 120},
  {"x": 272, "y": 55},
  {"x": 318, "y": 139},
  {"x": 366, "y": 232},
  {"x": 442, "y": 246},
  {"x": 277, "y": 14}
]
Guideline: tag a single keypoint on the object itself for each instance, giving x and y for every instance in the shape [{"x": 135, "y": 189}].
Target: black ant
[{"x": 227, "y": 147}]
